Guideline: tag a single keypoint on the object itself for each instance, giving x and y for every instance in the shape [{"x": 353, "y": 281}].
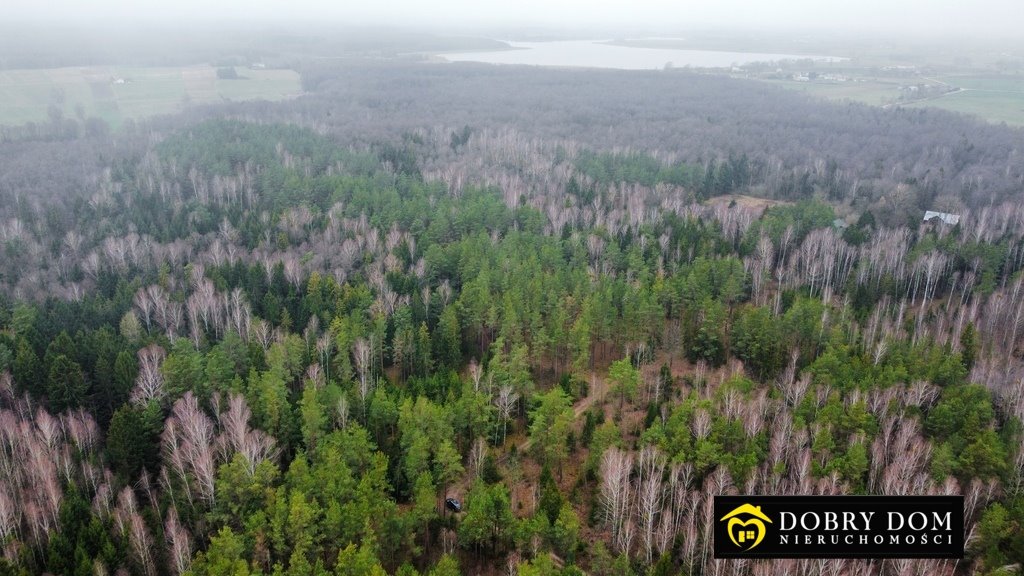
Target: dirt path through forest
[{"x": 596, "y": 392}]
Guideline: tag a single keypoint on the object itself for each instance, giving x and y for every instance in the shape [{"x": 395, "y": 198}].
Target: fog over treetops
[{"x": 314, "y": 289}]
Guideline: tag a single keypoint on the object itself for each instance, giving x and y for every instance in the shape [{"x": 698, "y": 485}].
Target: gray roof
[{"x": 951, "y": 219}]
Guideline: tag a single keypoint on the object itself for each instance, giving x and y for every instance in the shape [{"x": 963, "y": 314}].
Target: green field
[
  {"x": 991, "y": 106},
  {"x": 117, "y": 94},
  {"x": 875, "y": 92},
  {"x": 997, "y": 98}
]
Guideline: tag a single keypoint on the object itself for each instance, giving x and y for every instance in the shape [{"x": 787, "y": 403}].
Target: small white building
[{"x": 946, "y": 218}]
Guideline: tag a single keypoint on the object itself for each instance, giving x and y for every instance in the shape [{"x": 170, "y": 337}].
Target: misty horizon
[
  {"x": 495, "y": 288},
  {"x": 992, "y": 20}
]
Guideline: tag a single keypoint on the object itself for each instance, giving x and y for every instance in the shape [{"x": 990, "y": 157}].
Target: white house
[{"x": 951, "y": 219}]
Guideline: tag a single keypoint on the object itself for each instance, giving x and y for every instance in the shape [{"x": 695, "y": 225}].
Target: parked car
[{"x": 453, "y": 504}]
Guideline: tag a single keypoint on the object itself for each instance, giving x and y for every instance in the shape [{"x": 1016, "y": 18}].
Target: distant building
[{"x": 951, "y": 219}]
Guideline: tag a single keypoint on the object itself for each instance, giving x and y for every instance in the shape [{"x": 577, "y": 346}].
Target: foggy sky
[{"x": 915, "y": 17}]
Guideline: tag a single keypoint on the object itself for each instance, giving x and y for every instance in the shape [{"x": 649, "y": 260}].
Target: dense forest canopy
[{"x": 274, "y": 338}]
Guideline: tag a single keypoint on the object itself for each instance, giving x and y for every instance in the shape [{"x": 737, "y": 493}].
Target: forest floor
[
  {"x": 525, "y": 491},
  {"x": 597, "y": 391},
  {"x": 745, "y": 201},
  {"x": 522, "y": 472}
]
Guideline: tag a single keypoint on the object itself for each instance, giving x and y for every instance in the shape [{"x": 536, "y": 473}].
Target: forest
[{"x": 274, "y": 338}]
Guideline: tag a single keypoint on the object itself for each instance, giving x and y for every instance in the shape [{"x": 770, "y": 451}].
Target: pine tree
[
  {"x": 66, "y": 387},
  {"x": 447, "y": 340},
  {"x": 131, "y": 444},
  {"x": 968, "y": 346},
  {"x": 552, "y": 423},
  {"x": 28, "y": 370}
]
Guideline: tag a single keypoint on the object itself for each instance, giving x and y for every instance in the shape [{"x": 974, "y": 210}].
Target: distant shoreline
[{"x": 612, "y": 54}]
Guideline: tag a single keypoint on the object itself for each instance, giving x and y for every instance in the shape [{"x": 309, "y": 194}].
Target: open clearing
[
  {"x": 997, "y": 98},
  {"x": 749, "y": 202},
  {"x": 117, "y": 94},
  {"x": 874, "y": 92}
]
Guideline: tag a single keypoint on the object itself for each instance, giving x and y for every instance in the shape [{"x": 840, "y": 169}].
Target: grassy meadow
[
  {"x": 995, "y": 98},
  {"x": 117, "y": 94}
]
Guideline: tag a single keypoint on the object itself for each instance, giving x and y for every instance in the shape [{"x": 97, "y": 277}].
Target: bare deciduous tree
[{"x": 149, "y": 384}]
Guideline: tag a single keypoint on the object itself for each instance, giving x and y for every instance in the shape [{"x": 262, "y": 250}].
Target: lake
[{"x": 598, "y": 54}]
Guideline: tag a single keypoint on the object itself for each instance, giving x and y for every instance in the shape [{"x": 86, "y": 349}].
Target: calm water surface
[{"x": 597, "y": 54}]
